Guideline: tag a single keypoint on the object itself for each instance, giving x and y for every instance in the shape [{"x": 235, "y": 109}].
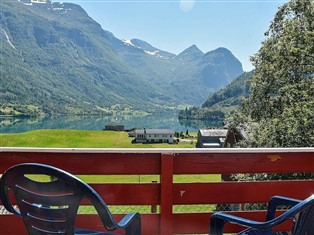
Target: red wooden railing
[{"x": 166, "y": 193}]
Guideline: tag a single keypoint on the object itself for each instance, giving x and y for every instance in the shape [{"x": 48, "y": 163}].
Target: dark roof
[
  {"x": 214, "y": 132},
  {"x": 113, "y": 125}
]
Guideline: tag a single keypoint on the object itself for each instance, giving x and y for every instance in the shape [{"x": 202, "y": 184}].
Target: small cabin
[{"x": 221, "y": 137}]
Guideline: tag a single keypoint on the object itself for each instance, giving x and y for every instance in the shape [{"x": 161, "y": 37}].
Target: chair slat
[
  {"x": 45, "y": 222},
  {"x": 40, "y": 231},
  {"x": 43, "y": 199},
  {"x": 50, "y": 212}
]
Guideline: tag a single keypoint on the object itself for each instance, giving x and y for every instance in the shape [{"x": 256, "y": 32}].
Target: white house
[{"x": 154, "y": 135}]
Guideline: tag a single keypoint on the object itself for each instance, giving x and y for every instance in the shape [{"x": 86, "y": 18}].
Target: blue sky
[{"x": 173, "y": 26}]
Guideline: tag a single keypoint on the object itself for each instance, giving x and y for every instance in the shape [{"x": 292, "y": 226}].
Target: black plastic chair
[
  {"x": 51, "y": 207},
  {"x": 302, "y": 213}
]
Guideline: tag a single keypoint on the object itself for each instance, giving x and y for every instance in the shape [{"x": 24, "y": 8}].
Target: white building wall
[{"x": 157, "y": 138}]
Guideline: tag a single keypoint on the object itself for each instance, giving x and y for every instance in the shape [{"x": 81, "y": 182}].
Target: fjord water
[{"x": 16, "y": 125}]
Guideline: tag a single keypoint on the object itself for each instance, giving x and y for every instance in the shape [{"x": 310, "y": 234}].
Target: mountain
[
  {"x": 219, "y": 68},
  {"x": 231, "y": 94},
  {"x": 191, "y": 54},
  {"x": 210, "y": 72},
  {"x": 223, "y": 102},
  {"x": 55, "y": 59}
]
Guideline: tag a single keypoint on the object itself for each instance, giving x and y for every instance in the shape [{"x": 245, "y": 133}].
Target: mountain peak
[
  {"x": 222, "y": 50},
  {"x": 193, "y": 49},
  {"x": 191, "y": 53}
]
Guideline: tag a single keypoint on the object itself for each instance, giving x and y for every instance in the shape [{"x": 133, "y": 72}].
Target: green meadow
[{"x": 79, "y": 139}]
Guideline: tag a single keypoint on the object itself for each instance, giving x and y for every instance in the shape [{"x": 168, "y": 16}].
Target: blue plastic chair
[
  {"x": 302, "y": 213},
  {"x": 51, "y": 207}
]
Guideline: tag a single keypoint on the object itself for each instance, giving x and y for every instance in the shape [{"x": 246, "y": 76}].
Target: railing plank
[
  {"x": 129, "y": 194},
  {"x": 198, "y": 223},
  {"x": 257, "y": 162},
  {"x": 193, "y": 223},
  {"x": 95, "y": 163},
  {"x": 13, "y": 225},
  {"x": 239, "y": 192}
]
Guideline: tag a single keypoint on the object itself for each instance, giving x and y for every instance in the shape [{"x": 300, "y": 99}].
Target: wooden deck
[{"x": 166, "y": 193}]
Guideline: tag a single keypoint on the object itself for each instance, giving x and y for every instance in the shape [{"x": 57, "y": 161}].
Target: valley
[{"x": 56, "y": 60}]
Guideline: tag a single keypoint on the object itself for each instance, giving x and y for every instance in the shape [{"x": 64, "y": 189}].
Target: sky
[{"x": 174, "y": 25}]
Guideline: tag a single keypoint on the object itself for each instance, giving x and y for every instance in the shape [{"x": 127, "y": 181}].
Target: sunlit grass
[
  {"x": 149, "y": 178},
  {"x": 78, "y": 139}
]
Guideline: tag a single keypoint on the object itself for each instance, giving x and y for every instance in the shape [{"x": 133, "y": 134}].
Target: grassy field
[{"x": 79, "y": 139}]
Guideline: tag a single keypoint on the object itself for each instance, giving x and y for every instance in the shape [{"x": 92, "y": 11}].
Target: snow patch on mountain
[
  {"x": 151, "y": 52},
  {"x": 128, "y": 43}
]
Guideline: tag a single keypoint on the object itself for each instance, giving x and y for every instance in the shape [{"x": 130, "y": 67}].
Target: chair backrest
[
  {"x": 305, "y": 221},
  {"x": 48, "y": 206}
]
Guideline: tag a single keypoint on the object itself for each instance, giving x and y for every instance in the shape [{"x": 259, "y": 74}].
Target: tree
[{"x": 282, "y": 101}]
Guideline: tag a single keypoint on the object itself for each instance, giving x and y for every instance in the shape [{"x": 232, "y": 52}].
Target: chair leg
[
  {"x": 216, "y": 226},
  {"x": 134, "y": 228}
]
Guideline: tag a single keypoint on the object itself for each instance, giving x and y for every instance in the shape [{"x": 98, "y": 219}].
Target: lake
[{"x": 171, "y": 121}]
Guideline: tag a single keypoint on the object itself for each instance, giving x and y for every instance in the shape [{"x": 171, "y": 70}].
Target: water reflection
[{"x": 15, "y": 125}]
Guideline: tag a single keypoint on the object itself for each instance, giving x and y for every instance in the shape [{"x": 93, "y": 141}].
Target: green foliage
[
  {"x": 195, "y": 113},
  {"x": 282, "y": 102}
]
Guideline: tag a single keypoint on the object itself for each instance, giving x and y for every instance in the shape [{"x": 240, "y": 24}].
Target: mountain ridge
[
  {"x": 62, "y": 61},
  {"x": 223, "y": 102}
]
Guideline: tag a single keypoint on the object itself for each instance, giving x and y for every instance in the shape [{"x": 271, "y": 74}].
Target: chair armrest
[
  {"x": 279, "y": 201},
  {"x": 219, "y": 219},
  {"x": 131, "y": 223},
  {"x": 127, "y": 219},
  {"x": 5, "y": 198}
]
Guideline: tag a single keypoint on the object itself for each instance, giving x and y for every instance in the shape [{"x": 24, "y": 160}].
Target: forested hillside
[
  {"x": 224, "y": 102},
  {"x": 231, "y": 94},
  {"x": 55, "y": 59},
  {"x": 57, "y": 62}
]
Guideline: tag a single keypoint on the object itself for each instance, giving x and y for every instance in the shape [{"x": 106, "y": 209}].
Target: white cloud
[{"x": 186, "y": 5}]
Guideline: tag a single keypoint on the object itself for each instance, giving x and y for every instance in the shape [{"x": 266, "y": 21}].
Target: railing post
[{"x": 166, "y": 220}]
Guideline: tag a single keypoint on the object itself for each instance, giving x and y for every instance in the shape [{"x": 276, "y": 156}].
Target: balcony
[{"x": 163, "y": 196}]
